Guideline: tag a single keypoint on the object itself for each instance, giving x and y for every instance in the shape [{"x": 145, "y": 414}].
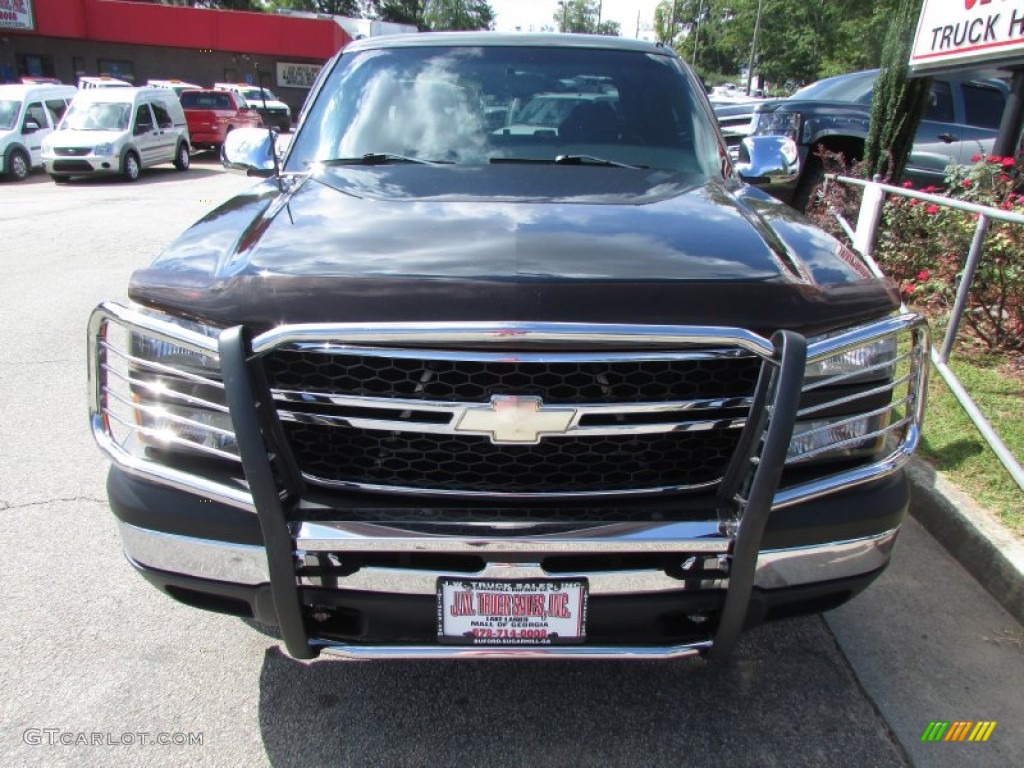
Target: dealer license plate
[{"x": 486, "y": 612}]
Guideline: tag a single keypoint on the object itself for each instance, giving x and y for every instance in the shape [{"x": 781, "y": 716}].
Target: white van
[
  {"x": 103, "y": 81},
  {"x": 28, "y": 113},
  {"x": 118, "y": 130}
]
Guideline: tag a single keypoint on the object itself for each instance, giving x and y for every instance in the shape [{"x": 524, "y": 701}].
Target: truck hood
[{"x": 379, "y": 243}]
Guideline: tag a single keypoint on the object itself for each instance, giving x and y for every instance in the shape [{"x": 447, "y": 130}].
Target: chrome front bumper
[{"x": 246, "y": 564}]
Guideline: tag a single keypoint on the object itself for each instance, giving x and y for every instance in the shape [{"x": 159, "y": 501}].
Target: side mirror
[
  {"x": 772, "y": 160},
  {"x": 250, "y": 150},
  {"x": 30, "y": 126}
]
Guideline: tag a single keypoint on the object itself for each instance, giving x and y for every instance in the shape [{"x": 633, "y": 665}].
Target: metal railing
[{"x": 863, "y": 238}]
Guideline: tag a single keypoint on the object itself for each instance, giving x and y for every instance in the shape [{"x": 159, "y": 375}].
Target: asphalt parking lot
[{"x": 97, "y": 667}]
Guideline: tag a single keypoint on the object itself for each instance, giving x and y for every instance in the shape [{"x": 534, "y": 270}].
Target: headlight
[
  {"x": 776, "y": 124},
  {"x": 103, "y": 149},
  {"x": 872, "y": 361},
  {"x": 157, "y": 385},
  {"x": 854, "y": 400},
  {"x": 177, "y": 392}
]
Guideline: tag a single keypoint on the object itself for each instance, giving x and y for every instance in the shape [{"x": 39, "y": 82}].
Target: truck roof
[{"x": 497, "y": 39}]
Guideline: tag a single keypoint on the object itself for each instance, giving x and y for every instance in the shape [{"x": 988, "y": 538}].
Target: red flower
[
  {"x": 976, "y": 158},
  {"x": 930, "y": 188},
  {"x": 932, "y": 209},
  {"x": 966, "y": 183},
  {"x": 908, "y": 289},
  {"x": 1008, "y": 162},
  {"x": 908, "y": 185},
  {"x": 922, "y": 275},
  {"x": 994, "y": 159},
  {"x": 1003, "y": 178}
]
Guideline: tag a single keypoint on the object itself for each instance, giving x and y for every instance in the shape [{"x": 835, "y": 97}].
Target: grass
[{"x": 953, "y": 445}]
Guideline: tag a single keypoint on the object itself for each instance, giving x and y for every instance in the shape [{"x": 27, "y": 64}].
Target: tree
[
  {"x": 458, "y": 15},
  {"x": 399, "y": 11},
  {"x": 333, "y": 7},
  {"x": 583, "y": 16},
  {"x": 435, "y": 14},
  {"x": 898, "y": 102},
  {"x": 666, "y": 22}
]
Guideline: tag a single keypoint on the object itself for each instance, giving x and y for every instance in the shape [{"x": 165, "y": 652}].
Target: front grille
[
  {"x": 320, "y": 394},
  {"x": 71, "y": 165},
  {"x": 472, "y": 463},
  {"x": 72, "y": 151},
  {"x": 640, "y": 381}
]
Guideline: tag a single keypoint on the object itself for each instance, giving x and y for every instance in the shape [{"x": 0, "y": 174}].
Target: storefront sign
[
  {"x": 956, "y": 32},
  {"x": 16, "y": 14},
  {"x": 292, "y": 75}
]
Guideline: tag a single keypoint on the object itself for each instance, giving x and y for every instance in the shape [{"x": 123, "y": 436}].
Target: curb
[{"x": 982, "y": 545}]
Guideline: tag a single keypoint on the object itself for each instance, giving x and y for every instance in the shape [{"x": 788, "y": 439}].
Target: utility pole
[{"x": 753, "y": 47}]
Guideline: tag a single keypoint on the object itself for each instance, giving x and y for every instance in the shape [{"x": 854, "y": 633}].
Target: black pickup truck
[
  {"x": 961, "y": 121},
  {"x": 442, "y": 386}
]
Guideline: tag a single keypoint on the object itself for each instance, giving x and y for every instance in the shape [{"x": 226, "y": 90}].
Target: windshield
[
  {"x": 9, "y": 114},
  {"x": 852, "y": 88},
  {"x": 257, "y": 94},
  {"x": 476, "y": 105},
  {"x": 206, "y": 100},
  {"x": 96, "y": 116}
]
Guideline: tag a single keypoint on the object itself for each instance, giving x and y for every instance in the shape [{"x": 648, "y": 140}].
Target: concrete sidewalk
[{"x": 928, "y": 644}]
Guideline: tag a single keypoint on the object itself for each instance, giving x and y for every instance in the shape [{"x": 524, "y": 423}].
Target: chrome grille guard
[{"x": 273, "y": 485}]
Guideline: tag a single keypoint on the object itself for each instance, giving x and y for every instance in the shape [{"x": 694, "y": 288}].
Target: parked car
[
  {"x": 213, "y": 114},
  {"x": 962, "y": 120},
  {"x": 118, "y": 130},
  {"x": 432, "y": 390},
  {"x": 28, "y": 113},
  {"x": 275, "y": 113}
]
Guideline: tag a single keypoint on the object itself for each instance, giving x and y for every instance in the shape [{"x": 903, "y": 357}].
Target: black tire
[
  {"x": 810, "y": 181},
  {"x": 18, "y": 165},
  {"x": 182, "y": 159},
  {"x": 59, "y": 178},
  {"x": 131, "y": 167}
]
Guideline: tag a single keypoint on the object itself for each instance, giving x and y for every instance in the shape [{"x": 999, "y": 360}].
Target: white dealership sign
[
  {"x": 953, "y": 33},
  {"x": 16, "y": 14},
  {"x": 295, "y": 75}
]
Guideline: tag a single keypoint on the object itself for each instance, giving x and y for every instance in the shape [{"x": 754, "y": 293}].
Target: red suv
[{"x": 212, "y": 114}]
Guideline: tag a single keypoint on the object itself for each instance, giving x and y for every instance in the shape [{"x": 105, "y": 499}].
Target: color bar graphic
[{"x": 958, "y": 730}]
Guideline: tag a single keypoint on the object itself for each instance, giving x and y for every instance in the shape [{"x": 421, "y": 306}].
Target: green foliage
[
  {"x": 583, "y": 16},
  {"x": 798, "y": 42},
  {"x": 457, "y": 15},
  {"x": 898, "y": 101},
  {"x": 434, "y": 15},
  {"x": 924, "y": 246},
  {"x": 398, "y": 11},
  {"x": 333, "y": 7}
]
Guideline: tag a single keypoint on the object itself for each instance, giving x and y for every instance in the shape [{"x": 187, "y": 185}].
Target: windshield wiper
[
  {"x": 570, "y": 160},
  {"x": 591, "y": 160},
  {"x": 381, "y": 158}
]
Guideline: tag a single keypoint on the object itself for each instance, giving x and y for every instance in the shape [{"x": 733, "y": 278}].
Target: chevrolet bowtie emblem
[{"x": 510, "y": 419}]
